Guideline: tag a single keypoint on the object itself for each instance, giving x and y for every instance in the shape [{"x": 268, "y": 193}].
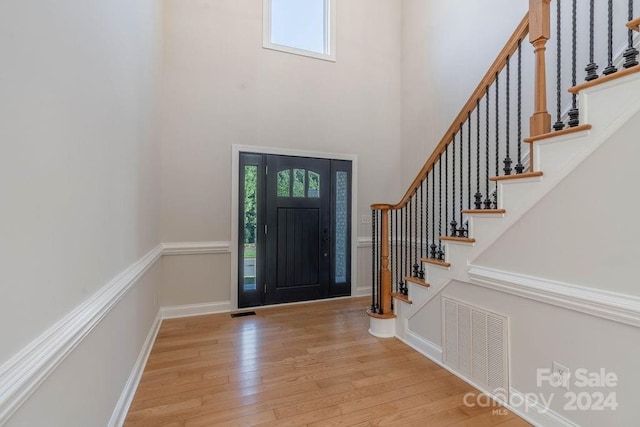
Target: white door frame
[{"x": 235, "y": 177}]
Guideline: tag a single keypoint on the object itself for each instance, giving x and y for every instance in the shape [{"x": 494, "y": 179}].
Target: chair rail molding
[
  {"x": 196, "y": 248},
  {"x": 613, "y": 306},
  {"x": 21, "y": 375}
]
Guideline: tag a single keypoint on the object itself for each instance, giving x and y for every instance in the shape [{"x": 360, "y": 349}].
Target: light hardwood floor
[{"x": 310, "y": 364}]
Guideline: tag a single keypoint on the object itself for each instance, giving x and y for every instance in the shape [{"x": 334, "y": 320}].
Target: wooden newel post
[{"x": 539, "y": 33}]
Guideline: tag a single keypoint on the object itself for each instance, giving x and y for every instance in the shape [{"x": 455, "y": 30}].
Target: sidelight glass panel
[
  {"x": 341, "y": 226},
  {"x": 314, "y": 184},
  {"x": 298, "y": 182},
  {"x": 250, "y": 226},
  {"x": 284, "y": 183}
]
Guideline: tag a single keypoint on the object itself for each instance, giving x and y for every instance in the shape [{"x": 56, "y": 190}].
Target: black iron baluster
[
  {"x": 519, "y": 167},
  {"x": 422, "y": 207},
  {"x": 409, "y": 234},
  {"x": 392, "y": 263},
  {"x": 497, "y": 153},
  {"x": 425, "y": 252},
  {"x": 460, "y": 232},
  {"x": 507, "y": 160},
  {"x": 373, "y": 261},
  {"x": 631, "y": 53},
  {"x": 487, "y": 201},
  {"x": 469, "y": 160},
  {"x": 440, "y": 252},
  {"x": 558, "y": 125},
  {"x": 446, "y": 187},
  {"x": 610, "y": 67},
  {"x": 592, "y": 67},
  {"x": 453, "y": 223},
  {"x": 416, "y": 267},
  {"x": 574, "y": 114},
  {"x": 402, "y": 250},
  {"x": 478, "y": 195},
  {"x": 433, "y": 213}
]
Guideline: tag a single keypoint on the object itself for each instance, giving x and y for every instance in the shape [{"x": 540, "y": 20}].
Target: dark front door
[
  {"x": 298, "y": 229},
  {"x": 294, "y": 229}
]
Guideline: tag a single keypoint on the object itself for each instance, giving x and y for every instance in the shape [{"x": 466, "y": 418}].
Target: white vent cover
[{"x": 476, "y": 344}]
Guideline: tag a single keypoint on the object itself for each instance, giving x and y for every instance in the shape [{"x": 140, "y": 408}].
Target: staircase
[{"x": 483, "y": 176}]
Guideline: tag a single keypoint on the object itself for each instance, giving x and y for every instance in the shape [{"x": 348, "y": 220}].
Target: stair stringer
[{"x": 606, "y": 107}]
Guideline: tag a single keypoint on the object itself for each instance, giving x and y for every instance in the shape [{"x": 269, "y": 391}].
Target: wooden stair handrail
[{"x": 498, "y": 64}]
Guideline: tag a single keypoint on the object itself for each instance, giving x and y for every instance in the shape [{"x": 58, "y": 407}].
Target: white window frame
[{"x": 330, "y": 33}]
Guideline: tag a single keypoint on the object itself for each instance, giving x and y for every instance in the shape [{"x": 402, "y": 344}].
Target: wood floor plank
[{"x": 312, "y": 364}]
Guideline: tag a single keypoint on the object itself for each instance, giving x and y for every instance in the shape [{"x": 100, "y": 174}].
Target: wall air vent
[{"x": 476, "y": 345}]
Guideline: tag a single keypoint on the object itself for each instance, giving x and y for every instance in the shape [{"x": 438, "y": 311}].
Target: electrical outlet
[
  {"x": 560, "y": 375},
  {"x": 366, "y": 219}
]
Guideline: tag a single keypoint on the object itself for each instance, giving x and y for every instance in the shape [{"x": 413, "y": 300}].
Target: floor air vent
[
  {"x": 476, "y": 344},
  {"x": 243, "y": 314}
]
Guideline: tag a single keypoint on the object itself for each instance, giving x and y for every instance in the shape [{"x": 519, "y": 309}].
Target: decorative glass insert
[
  {"x": 298, "y": 182},
  {"x": 284, "y": 183},
  {"x": 314, "y": 184},
  {"x": 341, "y": 226},
  {"x": 250, "y": 222}
]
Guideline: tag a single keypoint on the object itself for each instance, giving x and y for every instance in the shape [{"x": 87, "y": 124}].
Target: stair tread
[
  {"x": 517, "y": 176},
  {"x": 558, "y": 133},
  {"x": 417, "y": 281},
  {"x": 458, "y": 239},
  {"x": 483, "y": 211},
  {"x": 401, "y": 297},
  {"x": 634, "y": 24},
  {"x": 437, "y": 262},
  {"x": 380, "y": 316},
  {"x": 604, "y": 79}
]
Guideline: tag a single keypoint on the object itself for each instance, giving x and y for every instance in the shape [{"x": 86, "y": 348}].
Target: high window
[{"x": 302, "y": 27}]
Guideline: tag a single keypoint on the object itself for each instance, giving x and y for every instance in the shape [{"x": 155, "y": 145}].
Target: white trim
[
  {"x": 364, "y": 242},
  {"x": 605, "y": 304},
  {"x": 21, "y": 375},
  {"x": 423, "y": 346},
  {"x": 539, "y": 416},
  {"x": 330, "y": 32},
  {"x": 194, "y": 248},
  {"x": 124, "y": 402},
  {"x": 236, "y": 149},
  {"x": 177, "y": 311}
]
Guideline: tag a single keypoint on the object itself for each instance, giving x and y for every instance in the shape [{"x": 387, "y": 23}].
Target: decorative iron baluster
[
  {"x": 402, "y": 250},
  {"x": 392, "y": 263},
  {"x": 460, "y": 231},
  {"x": 453, "y": 223},
  {"x": 610, "y": 67},
  {"x": 574, "y": 114},
  {"x": 440, "y": 253},
  {"x": 425, "y": 252},
  {"x": 433, "y": 214},
  {"x": 592, "y": 67},
  {"x": 507, "y": 160},
  {"x": 422, "y": 225},
  {"x": 497, "y": 133},
  {"x": 469, "y": 160},
  {"x": 416, "y": 267},
  {"x": 558, "y": 125},
  {"x": 631, "y": 53},
  {"x": 446, "y": 188},
  {"x": 478, "y": 195},
  {"x": 519, "y": 167},
  {"x": 487, "y": 201},
  {"x": 373, "y": 262}
]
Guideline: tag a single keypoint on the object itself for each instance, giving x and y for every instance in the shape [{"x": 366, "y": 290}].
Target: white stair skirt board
[{"x": 382, "y": 328}]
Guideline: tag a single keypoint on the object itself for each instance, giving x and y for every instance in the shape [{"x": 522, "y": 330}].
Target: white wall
[
  {"x": 79, "y": 174},
  {"x": 222, "y": 88},
  {"x": 447, "y": 47}
]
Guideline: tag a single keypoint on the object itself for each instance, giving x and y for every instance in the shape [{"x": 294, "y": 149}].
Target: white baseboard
[
  {"x": 124, "y": 402},
  {"x": 21, "y": 375},
  {"x": 363, "y": 291},
  {"x": 189, "y": 310},
  {"x": 423, "y": 346},
  {"x": 530, "y": 411}
]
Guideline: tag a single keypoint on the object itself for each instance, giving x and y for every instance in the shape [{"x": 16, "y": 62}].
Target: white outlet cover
[{"x": 563, "y": 375}]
